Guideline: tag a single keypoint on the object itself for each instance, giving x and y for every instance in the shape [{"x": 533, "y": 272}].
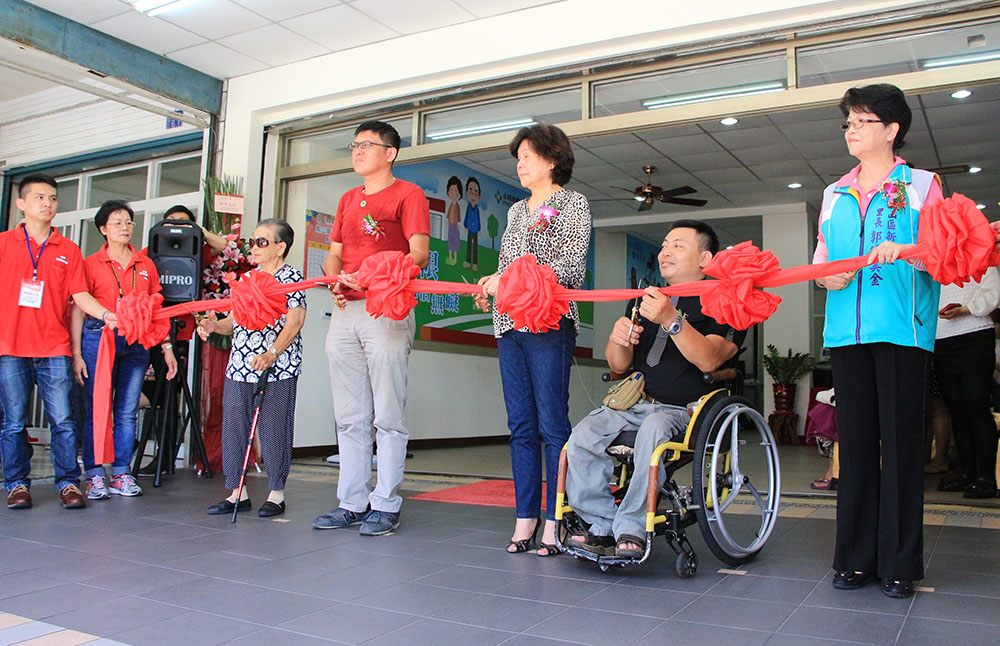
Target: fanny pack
[{"x": 624, "y": 394}]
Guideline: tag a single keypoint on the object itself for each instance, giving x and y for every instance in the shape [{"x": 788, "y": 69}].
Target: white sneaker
[
  {"x": 97, "y": 489},
  {"x": 125, "y": 485}
]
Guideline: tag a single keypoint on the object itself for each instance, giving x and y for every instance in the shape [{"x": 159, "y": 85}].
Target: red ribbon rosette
[
  {"x": 257, "y": 300},
  {"x": 136, "y": 322},
  {"x": 386, "y": 276},
  {"x": 956, "y": 241},
  {"x": 531, "y": 295},
  {"x": 733, "y": 300}
]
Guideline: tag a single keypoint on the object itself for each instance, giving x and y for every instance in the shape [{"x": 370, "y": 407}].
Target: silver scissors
[{"x": 635, "y": 312}]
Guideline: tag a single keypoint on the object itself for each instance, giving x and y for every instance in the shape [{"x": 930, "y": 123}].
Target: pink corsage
[
  {"x": 371, "y": 227},
  {"x": 546, "y": 213},
  {"x": 895, "y": 193}
]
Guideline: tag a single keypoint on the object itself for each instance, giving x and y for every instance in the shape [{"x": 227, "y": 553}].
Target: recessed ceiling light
[
  {"x": 795, "y": 185},
  {"x": 729, "y": 121},
  {"x": 980, "y": 206},
  {"x": 975, "y": 169},
  {"x": 961, "y": 94}
]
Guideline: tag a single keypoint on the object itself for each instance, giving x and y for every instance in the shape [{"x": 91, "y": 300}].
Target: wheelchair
[{"x": 735, "y": 488}]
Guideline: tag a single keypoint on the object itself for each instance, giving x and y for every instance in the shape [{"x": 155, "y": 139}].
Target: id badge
[{"x": 31, "y": 293}]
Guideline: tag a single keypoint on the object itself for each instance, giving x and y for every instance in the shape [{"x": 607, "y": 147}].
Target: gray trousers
[
  {"x": 368, "y": 367},
  {"x": 591, "y": 469}
]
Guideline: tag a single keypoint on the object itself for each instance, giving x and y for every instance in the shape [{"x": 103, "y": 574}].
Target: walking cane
[{"x": 258, "y": 401}]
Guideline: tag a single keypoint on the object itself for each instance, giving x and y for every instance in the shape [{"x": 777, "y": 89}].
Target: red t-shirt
[
  {"x": 107, "y": 280},
  {"x": 400, "y": 210},
  {"x": 38, "y": 332}
]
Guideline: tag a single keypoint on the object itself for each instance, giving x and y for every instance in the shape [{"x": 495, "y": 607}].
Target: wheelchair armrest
[
  {"x": 611, "y": 375},
  {"x": 723, "y": 374}
]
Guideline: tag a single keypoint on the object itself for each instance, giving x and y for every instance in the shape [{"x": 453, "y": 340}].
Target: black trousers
[
  {"x": 881, "y": 400},
  {"x": 964, "y": 366}
]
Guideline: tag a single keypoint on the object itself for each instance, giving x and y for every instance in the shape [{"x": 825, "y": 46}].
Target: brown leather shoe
[
  {"x": 19, "y": 498},
  {"x": 72, "y": 498}
]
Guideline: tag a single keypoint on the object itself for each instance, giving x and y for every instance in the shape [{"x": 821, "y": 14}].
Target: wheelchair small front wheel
[
  {"x": 737, "y": 480},
  {"x": 685, "y": 565}
]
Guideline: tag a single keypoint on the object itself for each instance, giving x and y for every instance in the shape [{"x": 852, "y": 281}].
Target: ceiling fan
[{"x": 646, "y": 194}]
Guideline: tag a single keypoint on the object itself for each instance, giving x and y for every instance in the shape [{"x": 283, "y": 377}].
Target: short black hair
[
  {"x": 885, "y": 101},
  {"x": 707, "y": 240},
  {"x": 385, "y": 132},
  {"x": 283, "y": 232},
  {"x": 35, "y": 178},
  {"x": 109, "y": 207},
  {"x": 551, "y": 144},
  {"x": 180, "y": 208},
  {"x": 473, "y": 180},
  {"x": 454, "y": 181}
]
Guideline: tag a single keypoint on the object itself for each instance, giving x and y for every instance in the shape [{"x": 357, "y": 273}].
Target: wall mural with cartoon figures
[{"x": 468, "y": 217}]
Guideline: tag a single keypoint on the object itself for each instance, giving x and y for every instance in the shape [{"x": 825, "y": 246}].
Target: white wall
[{"x": 63, "y": 122}]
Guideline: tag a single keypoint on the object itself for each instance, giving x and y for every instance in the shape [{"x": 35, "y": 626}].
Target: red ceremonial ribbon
[{"x": 104, "y": 445}]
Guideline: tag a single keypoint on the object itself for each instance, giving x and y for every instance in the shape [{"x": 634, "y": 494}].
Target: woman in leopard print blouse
[{"x": 554, "y": 225}]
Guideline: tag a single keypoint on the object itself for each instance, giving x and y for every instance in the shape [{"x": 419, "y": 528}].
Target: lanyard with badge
[
  {"x": 121, "y": 294},
  {"x": 31, "y": 290}
]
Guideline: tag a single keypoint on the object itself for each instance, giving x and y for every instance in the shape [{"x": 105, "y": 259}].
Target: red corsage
[
  {"x": 546, "y": 213},
  {"x": 895, "y": 194}
]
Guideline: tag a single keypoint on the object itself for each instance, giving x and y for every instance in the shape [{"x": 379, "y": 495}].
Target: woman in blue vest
[{"x": 880, "y": 324}]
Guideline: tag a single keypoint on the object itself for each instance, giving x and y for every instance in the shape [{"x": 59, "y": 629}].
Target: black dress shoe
[
  {"x": 981, "y": 489},
  {"x": 959, "y": 484},
  {"x": 269, "y": 509},
  {"x": 902, "y": 589},
  {"x": 226, "y": 507},
  {"x": 851, "y": 580}
]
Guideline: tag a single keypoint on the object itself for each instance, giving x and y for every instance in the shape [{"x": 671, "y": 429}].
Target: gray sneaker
[
  {"x": 124, "y": 485},
  {"x": 97, "y": 489},
  {"x": 339, "y": 518},
  {"x": 379, "y": 523}
]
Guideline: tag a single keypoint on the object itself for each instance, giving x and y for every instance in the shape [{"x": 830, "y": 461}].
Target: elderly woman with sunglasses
[
  {"x": 880, "y": 325},
  {"x": 115, "y": 270},
  {"x": 278, "y": 345}
]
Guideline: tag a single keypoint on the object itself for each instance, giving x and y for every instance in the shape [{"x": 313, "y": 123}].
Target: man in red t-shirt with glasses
[
  {"x": 42, "y": 270},
  {"x": 369, "y": 356}
]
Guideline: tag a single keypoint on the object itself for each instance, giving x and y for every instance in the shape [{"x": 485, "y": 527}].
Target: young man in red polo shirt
[
  {"x": 42, "y": 269},
  {"x": 368, "y": 356}
]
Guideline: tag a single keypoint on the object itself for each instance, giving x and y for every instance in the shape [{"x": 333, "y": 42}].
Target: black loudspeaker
[{"x": 176, "y": 248}]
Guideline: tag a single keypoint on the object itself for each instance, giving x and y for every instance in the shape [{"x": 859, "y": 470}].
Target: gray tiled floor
[{"x": 158, "y": 570}]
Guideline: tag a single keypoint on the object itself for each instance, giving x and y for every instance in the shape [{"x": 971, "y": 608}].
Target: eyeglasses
[
  {"x": 258, "y": 242},
  {"x": 857, "y": 124},
  {"x": 365, "y": 145},
  {"x": 118, "y": 223}
]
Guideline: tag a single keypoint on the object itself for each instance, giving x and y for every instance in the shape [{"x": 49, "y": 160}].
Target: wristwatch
[
  {"x": 273, "y": 350},
  {"x": 675, "y": 327}
]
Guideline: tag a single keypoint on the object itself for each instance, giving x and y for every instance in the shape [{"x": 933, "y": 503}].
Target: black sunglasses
[{"x": 259, "y": 242}]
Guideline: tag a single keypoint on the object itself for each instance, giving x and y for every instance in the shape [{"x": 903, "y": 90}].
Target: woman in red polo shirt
[{"x": 111, "y": 273}]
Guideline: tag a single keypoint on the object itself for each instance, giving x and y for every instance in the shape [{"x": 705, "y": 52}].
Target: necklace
[{"x": 364, "y": 202}]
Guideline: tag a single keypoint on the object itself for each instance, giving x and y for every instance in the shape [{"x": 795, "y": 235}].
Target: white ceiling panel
[
  {"x": 399, "y": 16},
  {"x": 340, "y": 27},
  {"x": 740, "y": 138},
  {"x": 726, "y": 176},
  {"x": 212, "y": 58},
  {"x": 607, "y": 140},
  {"x": 214, "y": 18},
  {"x": 158, "y": 36},
  {"x": 274, "y": 45},
  {"x": 669, "y": 132},
  {"x": 829, "y": 114},
  {"x": 706, "y": 161},
  {"x": 278, "y": 10},
  {"x": 687, "y": 145},
  {"x": 778, "y": 169},
  {"x": 17, "y": 84},
  {"x": 979, "y": 154},
  {"x": 631, "y": 154},
  {"x": 952, "y": 116},
  {"x": 811, "y": 130},
  {"x": 950, "y": 137},
  {"x": 483, "y": 8},
  {"x": 767, "y": 153},
  {"x": 745, "y": 122},
  {"x": 86, "y": 12}
]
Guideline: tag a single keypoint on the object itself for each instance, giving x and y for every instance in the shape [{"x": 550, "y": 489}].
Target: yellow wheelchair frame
[{"x": 720, "y": 425}]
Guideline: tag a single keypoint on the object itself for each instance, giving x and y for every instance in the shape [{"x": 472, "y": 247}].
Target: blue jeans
[
  {"x": 52, "y": 375},
  {"x": 534, "y": 370},
  {"x": 126, "y": 379}
]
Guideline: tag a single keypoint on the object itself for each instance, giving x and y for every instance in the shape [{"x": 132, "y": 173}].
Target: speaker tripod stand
[{"x": 163, "y": 413}]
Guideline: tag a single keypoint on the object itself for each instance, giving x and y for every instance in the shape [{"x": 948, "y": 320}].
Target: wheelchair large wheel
[{"x": 737, "y": 480}]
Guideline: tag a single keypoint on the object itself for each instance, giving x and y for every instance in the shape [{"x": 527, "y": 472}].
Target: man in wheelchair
[{"x": 673, "y": 344}]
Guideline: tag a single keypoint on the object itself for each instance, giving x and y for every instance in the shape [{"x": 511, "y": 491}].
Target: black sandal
[
  {"x": 524, "y": 544},
  {"x": 550, "y": 550},
  {"x": 630, "y": 553}
]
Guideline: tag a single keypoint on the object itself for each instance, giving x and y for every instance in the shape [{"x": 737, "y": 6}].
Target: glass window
[
  {"x": 875, "y": 57},
  {"x": 552, "y": 107},
  {"x": 333, "y": 144},
  {"x": 179, "y": 176},
  {"x": 69, "y": 191},
  {"x": 693, "y": 85},
  {"x": 128, "y": 185}
]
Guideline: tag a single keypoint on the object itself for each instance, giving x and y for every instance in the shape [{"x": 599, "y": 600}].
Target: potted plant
[{"x": 785, "y": 370}]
